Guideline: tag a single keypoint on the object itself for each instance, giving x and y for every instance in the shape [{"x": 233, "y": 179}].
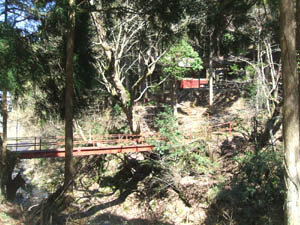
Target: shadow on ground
[
  {"x": 126, "y": 182},
  {"x": 223, "y": 100},
  {"x": 110, "y": 219},
  {"x": 255, "y": 193}
]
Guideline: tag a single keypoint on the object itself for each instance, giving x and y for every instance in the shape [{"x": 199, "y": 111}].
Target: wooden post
[{"x": 230, "y": 128}]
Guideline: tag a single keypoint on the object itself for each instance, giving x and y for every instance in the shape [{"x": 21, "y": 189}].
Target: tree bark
[
  {"x": 290, "y": 112},
  {"x": 4, "y": 163},
  {"x": 298, "y": 41},
  {"x": 69, "y": 167},
  {"x": 298, "y": 27},
  {"x": 4, "y": 125},
  {"x": 3, "y": 175}
]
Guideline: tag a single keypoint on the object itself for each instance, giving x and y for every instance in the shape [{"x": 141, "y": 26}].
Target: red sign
[{"x": 193, "y": 83}]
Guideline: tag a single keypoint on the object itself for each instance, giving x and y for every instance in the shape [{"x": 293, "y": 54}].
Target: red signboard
[{"x": 193, "y": 83}]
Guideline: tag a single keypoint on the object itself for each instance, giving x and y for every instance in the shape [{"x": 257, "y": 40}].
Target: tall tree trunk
[
  {"x": 298, "y": 28},
  {"x": 298, "y": 41},
  {"x": 69, "y": 167},
  {"x": 4, "y": 125},
  {"x": 290, "y": 112},
  {"x": 133, "y": 126},
  {"x": 4, "y": 163},
  {"x": 3, "y": 175}
]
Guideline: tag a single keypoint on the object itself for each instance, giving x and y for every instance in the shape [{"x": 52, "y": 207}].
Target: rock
[
  {"x": 137, "y": 156},
  {"x": 106, "y": 222},
  {"x": 188, "y": 180}
]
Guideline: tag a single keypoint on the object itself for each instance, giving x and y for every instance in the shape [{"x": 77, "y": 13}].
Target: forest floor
[
  {"x": 11, "y": 214},
  {"x": 188, "y": 198}
]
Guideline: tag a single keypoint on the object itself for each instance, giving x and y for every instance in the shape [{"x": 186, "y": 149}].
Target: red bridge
[{"x": 45, "y": 147}]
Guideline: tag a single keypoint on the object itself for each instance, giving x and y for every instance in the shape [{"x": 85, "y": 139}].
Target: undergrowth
[
  {"x": 177, "y": 151},
  {"x": 255, "y": 194},
  {"x": 252, "y": 195}
]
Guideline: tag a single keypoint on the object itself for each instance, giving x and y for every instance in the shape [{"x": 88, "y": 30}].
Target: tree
[
  {"x": 3, "y": 172},
  {"x": 4, "y": 114},
  {"x": 177, "y": 61},
  {"x": 290, "y": 112},
  {"x": 51, "y": 42},
  {"x": 69, "y": 167},
  {"x": 18, "y": 65},
  {"x": 215, "y": 30},
  {"x": 21, "y": 13},
  {"x": 13, "y": 62},
  {"x": 63, "y": 45},
  {"x": 129, "y": 41}
]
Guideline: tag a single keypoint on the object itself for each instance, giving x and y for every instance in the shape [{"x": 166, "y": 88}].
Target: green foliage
[
  {"x": 234, "y": 69},
  {"x": 168, "y": 130},
  {"x": 167, "y": 11},
  {"x": 251, "y": 91},
  {"x": 52, "y": 48},
  {"x": 190, "y": 157},
  {"x": 117, "y": 110},
  {"x": 241, "y": 73},
  {"x": 263, "y": 173},
  {"x": 258, "y": 188},
  {"x": 228, "y": 38},
  {"x": 179, "y": 59},
  {"x": 214, "y": 26},
  {"x": 18, "y": 63},
  {"x": 250, "y": 71},
  {"x": 98, "y": 128}
]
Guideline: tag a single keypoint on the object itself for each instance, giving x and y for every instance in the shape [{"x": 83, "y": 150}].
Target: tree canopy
[
  {"x": 19, "y": 63},
  {"x": 180, "y": 58}
]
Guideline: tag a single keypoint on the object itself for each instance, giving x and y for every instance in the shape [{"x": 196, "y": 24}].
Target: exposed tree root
[{"x": 48, "y": 209}]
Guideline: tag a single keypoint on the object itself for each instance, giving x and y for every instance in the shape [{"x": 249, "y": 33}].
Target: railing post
[
  {"x": 230, "y": 128},
  {"x": 56, "y": 142},
  {"x": 35, "y": 143},
  {"x": 40, "y": 144}
]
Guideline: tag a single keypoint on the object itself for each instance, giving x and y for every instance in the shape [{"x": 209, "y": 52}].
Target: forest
[{"x": 179, "y": 112}]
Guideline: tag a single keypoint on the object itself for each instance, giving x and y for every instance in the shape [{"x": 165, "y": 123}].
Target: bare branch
[{"x": 144, "y": 91}]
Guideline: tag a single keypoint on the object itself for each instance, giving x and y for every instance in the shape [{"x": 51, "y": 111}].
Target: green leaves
[
  {"x": 8, "y": 55},
  {"x": 18, "y": 63},
  {"x": 175, "y": 151},
  {"x": 179, "y": 59}
]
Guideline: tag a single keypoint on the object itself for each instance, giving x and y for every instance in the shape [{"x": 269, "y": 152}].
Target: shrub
[
  {"x": 256, "y": 194},
  {"x": 174, "y": 149}
]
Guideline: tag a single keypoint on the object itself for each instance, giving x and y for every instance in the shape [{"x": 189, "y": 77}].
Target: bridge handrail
[{"x": 56, "y": 142}]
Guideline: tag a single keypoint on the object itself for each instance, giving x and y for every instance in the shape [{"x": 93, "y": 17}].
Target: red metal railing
[{"x": 41, "y": 147}]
